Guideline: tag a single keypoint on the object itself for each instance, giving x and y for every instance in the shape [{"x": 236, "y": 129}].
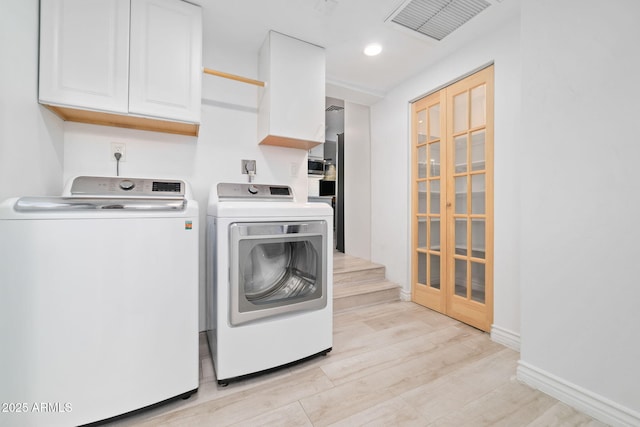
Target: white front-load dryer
[{"x": 269, "y": 279}]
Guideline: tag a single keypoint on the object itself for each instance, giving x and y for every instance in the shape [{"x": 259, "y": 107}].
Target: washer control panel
[
  {"x": 254, "y": 191},
  {"x": 117, "y": 186}
]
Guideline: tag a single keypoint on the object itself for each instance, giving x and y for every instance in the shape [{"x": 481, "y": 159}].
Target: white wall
[
  {"x": 357, "y": 191},
  {"x": 390, "y": 164},
  {"x": 581, "y": 199},
  {"x": 31, "y": 138},
  {"x": 228, "y": 134}
]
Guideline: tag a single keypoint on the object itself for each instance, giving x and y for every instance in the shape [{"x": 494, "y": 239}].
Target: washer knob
[
  {"x": 253, "y": 189},
  {"x": 127, "y": 185}
]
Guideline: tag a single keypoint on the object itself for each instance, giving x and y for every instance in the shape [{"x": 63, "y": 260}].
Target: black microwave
[{"x": 316, "y": 167}]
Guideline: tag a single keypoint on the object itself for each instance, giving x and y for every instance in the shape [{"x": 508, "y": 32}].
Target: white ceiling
[{"x": 343, "y": 28}]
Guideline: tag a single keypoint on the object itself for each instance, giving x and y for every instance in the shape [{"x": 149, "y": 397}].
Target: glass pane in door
[
  {"x": 422, "y": 161},
  {"x": 434, "y": 196},
  {"x": 422, "y": 268},
  {"x": 478, "y": 150},
  {"x": 434, "y": 276},
  {"x": 478, "y": 106},
  {"x": 461, "y": 194},
  {"x": 434, "y": 122},
  {"x": 478, "y": 244},
  {"x": 460, "y": 277},
  {"x": 422, "y": 197},
  {"x": 422, "y": 187},
  {"x": 461, "y": 236},
  {"x": 434, "y": 159},
  {"x": 478, "y": 194},
  {"x": 434, "y": 234},
  {"x": 422, "y": 233},
  {"x": 422, "y": 126},
  {"x": 460, "y": 112},
  {"x": 477, "y": 282},
  {"x": 460, "y": 144}
]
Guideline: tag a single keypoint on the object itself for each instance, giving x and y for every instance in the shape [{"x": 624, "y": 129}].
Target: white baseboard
[
  {"x": 584, "y": 400},
  {"x": 505, "y": 337},
  {"x": 404, "y": 295}
]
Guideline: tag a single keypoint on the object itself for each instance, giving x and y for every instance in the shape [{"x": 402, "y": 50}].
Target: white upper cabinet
[
  {"x": 130, "y": 63},
  {"x": 84, "y": 53},
  {"x": 166, "y": 59},
  {"x": 291, "y": 105}
]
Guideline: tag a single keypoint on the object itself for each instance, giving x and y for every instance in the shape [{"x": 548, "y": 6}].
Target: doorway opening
[{"x": 328, "y": 187}]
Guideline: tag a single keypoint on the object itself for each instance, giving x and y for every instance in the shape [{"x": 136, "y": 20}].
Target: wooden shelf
[
  {"x": 283, "y": 141},
  {"x": 123, "y": 121}
]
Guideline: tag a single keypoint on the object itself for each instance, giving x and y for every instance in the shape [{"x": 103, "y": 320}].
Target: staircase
[{"x": 358, "y": 283}]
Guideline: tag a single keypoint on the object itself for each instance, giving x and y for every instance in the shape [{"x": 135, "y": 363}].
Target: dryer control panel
[
  {"x": 119, "y": 187},
  {"x": 254, "y": 191}
]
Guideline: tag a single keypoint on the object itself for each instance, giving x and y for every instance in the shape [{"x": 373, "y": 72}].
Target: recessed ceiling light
[{"x": 372, "y": 49}]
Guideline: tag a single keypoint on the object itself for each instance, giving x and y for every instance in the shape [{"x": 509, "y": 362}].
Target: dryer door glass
[
  {"x": 277, "y": 268},
  {"x": 280, "y": 271}
]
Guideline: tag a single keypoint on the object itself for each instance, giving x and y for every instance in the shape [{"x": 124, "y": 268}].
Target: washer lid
[{"x": 63, "y": 204}]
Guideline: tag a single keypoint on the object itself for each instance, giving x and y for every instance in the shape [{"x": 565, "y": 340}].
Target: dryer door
[{"x": 276, "y": 268}]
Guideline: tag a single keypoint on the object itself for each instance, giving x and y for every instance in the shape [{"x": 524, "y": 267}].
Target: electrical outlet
[
  {"x": 119, "y": 147},
  {"x": 248, "y": 166}
]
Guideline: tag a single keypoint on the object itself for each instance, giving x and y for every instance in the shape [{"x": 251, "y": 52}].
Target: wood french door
[{"x": 452, "y": 194}]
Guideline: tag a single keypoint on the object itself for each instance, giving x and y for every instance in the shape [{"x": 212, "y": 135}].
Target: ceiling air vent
[{"x": 437, "y": 18}]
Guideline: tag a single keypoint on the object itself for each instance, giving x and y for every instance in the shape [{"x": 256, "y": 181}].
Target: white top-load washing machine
[
  {"x": 269, "y": 279},
  {"x": 98, "y": 300}
]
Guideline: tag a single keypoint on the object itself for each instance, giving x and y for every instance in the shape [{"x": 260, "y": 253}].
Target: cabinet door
[
  {"x": 84, "y": 53},
  {"x": 166, "y": 59},
  {"x": 291, "y": 108},
  {"x": 297, "y": 89}
]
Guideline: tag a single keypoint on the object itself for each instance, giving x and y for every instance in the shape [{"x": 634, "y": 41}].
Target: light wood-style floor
[{"x": 392, "y": 364}]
